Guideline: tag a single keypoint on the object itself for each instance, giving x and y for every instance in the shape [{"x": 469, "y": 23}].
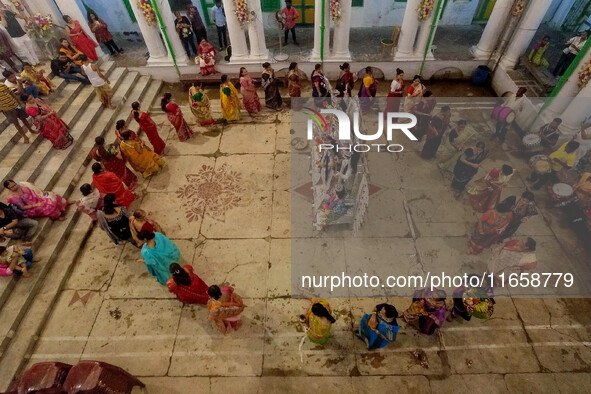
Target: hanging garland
[
  {"x": 518, "y": 8},
  {"x": 148, "y": 11},
  {"x": 425, "y": 9},
  {"x": 18, "y": 5},
  {"x": 242, "y": 12},
  {"x": 335, "y": 10},
  {"x": 585, "y": 74}
]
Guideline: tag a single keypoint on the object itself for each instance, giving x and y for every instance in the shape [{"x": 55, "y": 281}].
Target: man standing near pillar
[
  {"x": 290, "y": 15},
  {"x": 219, "y": 17},
  {"x": 573, "y": 46},
  {"x": 24, "y": 45}
]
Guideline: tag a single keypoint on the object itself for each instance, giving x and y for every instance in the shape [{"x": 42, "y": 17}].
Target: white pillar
[
  {"x": 561, "y": 13},
  {"x": 175, "y": 41},
  {"x": 576, "y": 112},
  {"x": 493, "y": 29},
  {"x": 236, "y": 33},
  {"x": 341, "y": 34},
  {"x": 152, "y": 38},
  {"x": 317, "y": 33},
  {"x": 530, "y": 22},
  {"x": 69, "y": 7},
  {"x": 423, "y": 38},
  {"x": 256, "y": 33},
  {"x": 408, "y": 31}
]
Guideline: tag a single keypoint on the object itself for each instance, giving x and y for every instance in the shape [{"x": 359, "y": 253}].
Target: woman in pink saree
[
  {"x": 36, "y": 202},
  {"x": 176, "y": 118},
  {"x": 250, "y": 98}
]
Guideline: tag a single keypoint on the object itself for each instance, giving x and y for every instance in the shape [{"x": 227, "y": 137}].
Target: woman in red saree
[
  {"x": 396, "y": 92},
  {"x": 49, "y": 124},
  {"x": 148, "y": 126},
  {"x": 80, "y": 39},
  {"x": 107, "y": 182},
  {"x": 250, "y": 98},
  {"x": 206, "y": 58},
  {"x": 120, "y": 128},
  {"x": 109, "y": 157},
  {"x": 176, "y": 118},
  {"x": 490, "y": 226},
  {"x": 186, "y": 286}
]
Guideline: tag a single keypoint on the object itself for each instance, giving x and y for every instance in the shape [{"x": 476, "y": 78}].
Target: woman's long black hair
[
  {"x": 179, "y": 275},
  {"x": 135, "y": 106},
  {"x": 165, "y": 100},
  {"x": 319, "y": 310}
]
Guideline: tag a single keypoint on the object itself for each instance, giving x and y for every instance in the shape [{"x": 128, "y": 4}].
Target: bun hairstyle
[
  {"x": 318, "y": 66},
  {"x": 399, "y": 71},
  {"x": 86, "y": 189},
  {"x": 368, "y": 70},
  {"x": 179, "y": 275},
  {"x": 97, "y": 169},
  {"x": 214, "y": 292},
  {"x": 100, "y": 141},
  {"x": 224, "y": 78},
  {"x": 293, "y": 66},
  {"x": 165, "y": 100},
  {"x": 319, "y": 310},
  {"x": 126, "y": 135},
  {"x": 120, "y": 124},
  {"x": 109, "y": 201},
  {"x": 344, "y": 66},
  {"x": 135, "y": 106},
  {"x": 145, "y": 235}
]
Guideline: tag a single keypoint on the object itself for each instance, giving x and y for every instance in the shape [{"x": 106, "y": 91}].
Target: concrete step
[
  {"x": 13, "y": 155},
  {"x": 58, "y": 249}
]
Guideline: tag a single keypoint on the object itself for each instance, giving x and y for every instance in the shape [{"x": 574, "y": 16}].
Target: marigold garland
[
  {"x": 585, "y": 74},
  {"x": 425, "y": 9},
  {"x": 148, "y": 11},
  {"x": 242, "y": 12},
  {"x": 335, "y": 10}
]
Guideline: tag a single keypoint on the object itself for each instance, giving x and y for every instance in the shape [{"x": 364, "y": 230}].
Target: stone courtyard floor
[{"x": 225, "y": 199}]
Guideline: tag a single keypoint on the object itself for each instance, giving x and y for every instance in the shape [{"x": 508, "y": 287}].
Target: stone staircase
[{"x": 26, "y": 305}]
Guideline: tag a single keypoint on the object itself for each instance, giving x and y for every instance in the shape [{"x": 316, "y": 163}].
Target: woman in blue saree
[
  {"x": 159, "y": 253},
  {"x": 379, "y": 328}
]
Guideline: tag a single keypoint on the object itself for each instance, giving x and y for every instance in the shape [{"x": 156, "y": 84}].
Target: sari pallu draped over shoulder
[
  {"x": 107, "y": 182},
  {"x": 487, "y": 230},
  {"x": 250, "y": 98},
  {"x": 52, "y": 127},
  {"x": 200, "y": 106},
  {"x": 195, "y": 293},
  {"x": 230, "y": 101},
  {"x": 176, "y": 118},
  {"x": 148, "y": 126},
  {"x": 159, "y": 258},
  {"x": 141, "y": 159},
  {"x": 116, "y": 165},
  {"x": 53, "y": 207}
]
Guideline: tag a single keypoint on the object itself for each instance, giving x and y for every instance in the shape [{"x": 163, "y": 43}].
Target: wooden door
[
  {"x": 484, "y": 10},
  {"x": 306, "y": 11}
]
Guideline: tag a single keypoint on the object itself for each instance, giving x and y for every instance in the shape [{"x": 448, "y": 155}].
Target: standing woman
[
  {"x": 416, "y": 89},
  {"x": 454, "y": 144},
  {"x": 111, "y": 160},
  {"x": 200, "y": 106},
  {"x": 467, "y": 166},
  {"x": 490, "y": 226},
  {"x": 141, "y": 221},
  {"x": 273, "y": 98},
  {"x": 396, "y": 92},
  {"x": 368, "y": 89},
  {"x": 148, "y": 126},
  {"x": 141, "y": 158},
  {"x": 250, "y": 98},
  {"x": 102, "y": 33},
  {"x": 159, "y": 253},
  {"x": 48, "y": 123},
  {"x": 294, "y": 82},
  {"x": 318, "y": 320},
  {"x": 175, "y": 116},
  {"x": 379, "y": 328},
  {"x": 79, "y": 38},
  {"x": 114, "y": 220},
  {"x": 225, "y": 308},
  {"x": 186, "y": 285},
  {"x": 229, "y": 100},
  {"x": 36, "y": 202},
  {"x": 318, "y": 82},
  {"x": 485, "y": 193},
  {"x": 346, "y": 81}
]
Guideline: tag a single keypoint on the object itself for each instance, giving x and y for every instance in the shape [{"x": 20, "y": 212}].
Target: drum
[
  {"x": 540, "y": 164},
  {"x": 562, "y": 194},
  {"x": 532, "y": 143},
  {"x": 503, "y": 114}
]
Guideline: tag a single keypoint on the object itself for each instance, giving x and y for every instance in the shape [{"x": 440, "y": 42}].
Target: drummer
[
  {"x": 563, "y": 158},
  {"x": 549, "y": 133}
]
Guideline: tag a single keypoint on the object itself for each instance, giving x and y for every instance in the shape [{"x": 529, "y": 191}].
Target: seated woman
[
  {"x": 318, "y": 319},
  {"x": 515, "y": 256},
  {"x": 225, "y": 308},
  {"x": 206, "y": 58},
  {"x": 485, "y": 193},
  {"x": 142, "y": 159},
  {"x": 50, "y": 126},
  {"x": 44, "y": 85},
  {"x": 91, "y": 201},
  {"x": 158, "y": 253},
  {"x": 188, "y": 287},
  {"x": 379, "y": 328},
  {"x": 70, "y": 51},
  {"x": 14, "y": 225},
  {"x": 141, "y": 221},
  {"x": 427, "y": 310},
  {"x": 114, "y": 220},
  {"x": 36, "y": 202},
  {"x": 16, "y": 261},
  {"x": 491, "y": 225}
]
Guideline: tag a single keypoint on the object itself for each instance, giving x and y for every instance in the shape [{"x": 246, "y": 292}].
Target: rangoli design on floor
[{"x": 214, "y": 191}]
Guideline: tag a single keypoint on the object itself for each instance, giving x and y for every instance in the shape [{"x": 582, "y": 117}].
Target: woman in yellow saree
[
  {"x": 229, "y": 100},
  {"x": 37, "y": 78},
  {"x": 141, "y": 158},
  {"x": 319, "y": 321},
  {"x": 200, "y": 106}
]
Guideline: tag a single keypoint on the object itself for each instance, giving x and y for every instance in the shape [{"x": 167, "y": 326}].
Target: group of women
[{"x": 81, "y": 41}]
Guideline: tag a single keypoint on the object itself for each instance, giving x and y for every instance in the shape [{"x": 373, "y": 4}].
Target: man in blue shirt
[{"x": 219, "y": 17}]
